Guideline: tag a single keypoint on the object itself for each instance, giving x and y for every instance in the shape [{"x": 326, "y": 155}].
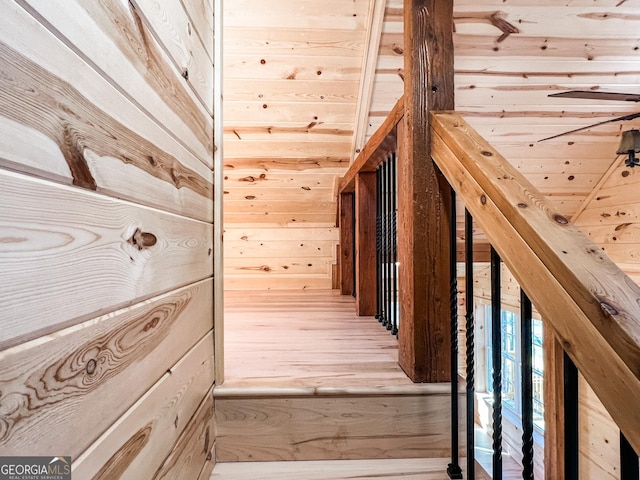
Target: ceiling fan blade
[
  {"x": 590, "y": 95},
  {"x": 631, "y": 116}
]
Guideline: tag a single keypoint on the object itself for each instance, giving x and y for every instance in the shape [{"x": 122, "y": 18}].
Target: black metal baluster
[
  {"x": 571, "y": 450},
  {"x": 394, "y": 241},
  {"x": 526, "y": 345},
  {"x": 470, "y": 341},
  {"x": 385, "y": 245},
  {"x": 453, "y": 470},
  {"x": 496, "y": 360},
  {"x": 388, "y": 324},
  {"x": 628, "y": 460},
  {"x": 379, "y": 240}
]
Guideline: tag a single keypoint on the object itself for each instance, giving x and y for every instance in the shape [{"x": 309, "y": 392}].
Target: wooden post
[
  {"x": 347, "y": 254},
  {"x": 423, "y": 229},
  {"x": 553, "y": 406},
  {"x": 366, "y": 243}
]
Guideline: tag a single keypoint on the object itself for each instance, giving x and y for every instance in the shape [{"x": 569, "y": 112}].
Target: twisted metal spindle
[
  {"x": 453, "y": 470},
  {"x": 526, "y": 347},
  {"x": 378, "y": 246},
  {"x": 470, "y": 343},
  {"x": 496, "y": 357}
]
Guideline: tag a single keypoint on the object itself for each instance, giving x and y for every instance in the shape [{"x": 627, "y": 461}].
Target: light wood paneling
[
  {"x": 193, "y": 453},
  {"x": 292, "y": 75},
  {"x": 170, "y": 23},
  {"x": 141, "y": 439},
  {"x": 103, "y": 365},
  {"x": 98, "y": 141},
  {"x": 103, "y": 253},
  {"x": 106, "y": 247},
  {"x": 145, "y": 72}
]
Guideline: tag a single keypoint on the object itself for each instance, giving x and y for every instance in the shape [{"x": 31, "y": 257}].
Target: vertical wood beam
[
  {"x": 347, "y": 254},
  {"x": 553, "y": 406},
  {"x": 423, "y": 229},
  {"x": 366, "y": 243}
]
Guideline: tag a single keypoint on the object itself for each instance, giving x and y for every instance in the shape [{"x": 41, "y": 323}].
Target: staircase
[{"x": 307, "y": 379}]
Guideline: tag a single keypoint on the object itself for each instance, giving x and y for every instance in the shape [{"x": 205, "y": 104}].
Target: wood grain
[
  {"x": 145, "y": 72},
  {"x": 365, "y": 232},
  {"x": 388, "y": 469},
  {"x": 169, "y": 22},
  {"x": 142, "y": 438},
  {"x": 84, "y": 145},
  {"x": 315, "y": 428},
  {"x": 94, "y": 371},
  {"x": 603, "y": 301},
  {"x": 61, "y": 242},
  {"x": 193, "y": 451},
  {"x": 346, "y": 244}
]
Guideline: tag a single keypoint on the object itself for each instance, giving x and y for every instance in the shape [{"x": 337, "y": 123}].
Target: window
[{"x": 511, "y": 364}]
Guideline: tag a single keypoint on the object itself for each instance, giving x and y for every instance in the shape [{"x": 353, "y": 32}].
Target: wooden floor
[
  {"x": 307, "y": 338},
  {"x": 312, "y": 343}
]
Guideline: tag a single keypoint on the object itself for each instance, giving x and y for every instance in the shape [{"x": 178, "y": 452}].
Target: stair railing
[
  {"x": 591, "y": 306},
  {"x": 368, "y": 268}
]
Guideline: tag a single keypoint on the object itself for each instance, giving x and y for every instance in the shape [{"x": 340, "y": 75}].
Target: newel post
[
  {"x": 347, "y": 264},
  {"x": 366, "y": 243},
  {"x": 423, "y": 220}
]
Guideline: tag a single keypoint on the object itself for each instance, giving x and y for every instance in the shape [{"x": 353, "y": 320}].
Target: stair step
[
  {"x": 413, "y": 468},
  {"x": 332, "y": 424}
]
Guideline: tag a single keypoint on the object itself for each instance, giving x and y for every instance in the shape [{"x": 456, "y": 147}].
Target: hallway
[{"x": 306, "y": 338}]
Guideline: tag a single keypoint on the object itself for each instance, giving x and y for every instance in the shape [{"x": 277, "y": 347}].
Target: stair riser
[{"x": 332, "y": 427}]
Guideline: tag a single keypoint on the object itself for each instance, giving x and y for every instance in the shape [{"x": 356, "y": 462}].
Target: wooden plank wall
[
  {"x": 611, "y": 219},
  {"x": 292, "y": 73},
  {"x": 106, "y": 250}
]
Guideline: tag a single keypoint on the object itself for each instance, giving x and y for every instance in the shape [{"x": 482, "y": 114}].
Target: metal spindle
[
  {"x": 453, "y": 470},
  {"x": 378, "y": 245},
  {"x": 496, "y": 358},
  {"x": 394, "y": 242},
  {"x": 526, "y": 345},
  {"x": 470, "y": 343},
  {"x": 628, "y": 460},
  {"x": 571, "y": 448},
  {"x": 385, "y": 244},
  {"x": 389, "y": 324}
]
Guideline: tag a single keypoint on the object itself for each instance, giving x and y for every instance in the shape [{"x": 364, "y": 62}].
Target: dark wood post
[
  {"x": 366, "y": 243},
  {"x": 423, "y": 229},
  {"x": 347, "y": 254}
]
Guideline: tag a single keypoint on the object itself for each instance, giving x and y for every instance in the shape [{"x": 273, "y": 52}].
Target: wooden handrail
[
  {"x": 590, "y": 304},
  {"x": 381, "y": 143}
]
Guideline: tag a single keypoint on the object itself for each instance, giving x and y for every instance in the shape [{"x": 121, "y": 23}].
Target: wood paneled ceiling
[
  {"x": 293, "y": 71},
  {"x": 509, "y": 55}
]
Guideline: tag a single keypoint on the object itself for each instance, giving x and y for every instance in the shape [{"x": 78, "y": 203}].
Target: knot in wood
[
  {"x": 486, "y": 153},
  {"x": 91, "y": 366},
  {"x": 185, "y": 73},
  {"x": 142, "y": 239},
  {"x": 483, "y": 199},
  {"x": 522, "y": 205},
  {"x": 560, "y": 219},
  {"x": 608, "y": 309}
]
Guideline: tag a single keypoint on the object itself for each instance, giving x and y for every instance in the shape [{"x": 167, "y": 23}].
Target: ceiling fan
[{"x": 630, "y": 141}]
